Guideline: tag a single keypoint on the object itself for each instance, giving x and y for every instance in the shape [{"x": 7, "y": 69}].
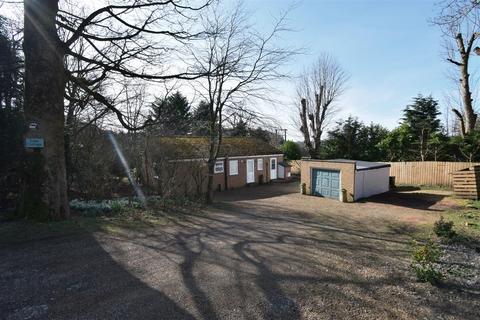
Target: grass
[
  {"x": 465, "y": 216},
  {"x": 466, "y": 224}
]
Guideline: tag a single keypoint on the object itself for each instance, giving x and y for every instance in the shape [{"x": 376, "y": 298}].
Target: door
[
  {"x": 250, "y": 170},
  {"x": 273, "y": 168},
  {"x": 281, "y": 172},
  {"x": 326, "y": 183}
]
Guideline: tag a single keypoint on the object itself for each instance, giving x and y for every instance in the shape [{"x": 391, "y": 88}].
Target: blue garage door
[{"x": 326, "y": 183}]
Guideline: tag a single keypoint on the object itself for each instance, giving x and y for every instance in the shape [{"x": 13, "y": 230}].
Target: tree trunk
[
  {"x": 68, "y": 132},
  {"x": 311, "y": 149},
  {"x": 422, "y": 146},
  {"x": 211, "y": 172},
  {"x": 215, "y": 141},
  {"x": 148, "y": 170},
  {"x": 44, "y": 194},
  {"x": 470, "y": 116}
]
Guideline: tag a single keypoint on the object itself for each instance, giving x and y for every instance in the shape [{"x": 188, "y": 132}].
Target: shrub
[
  {"x": 444, "y": 228},
  {"x": 427, "y": 274},
  {"x": 291, "y": 150},
  {"x": 89, "y": 208},
  {"x": 427, "y": 253},
  {"x": 425, "y": 258},
  {"x": 116, "y": 206},
  {"x": 95, "y": 208}
]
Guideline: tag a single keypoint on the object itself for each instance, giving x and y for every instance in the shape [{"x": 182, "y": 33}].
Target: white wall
[
  {"x": 281, "y": 172},
  {"x": 370, "y": 182}
]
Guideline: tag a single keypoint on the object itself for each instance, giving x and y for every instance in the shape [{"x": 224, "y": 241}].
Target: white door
[
  {"x": 281, "y": 172},
  {"x": 273, "y": 168},
  {"x": 250, "y": 170}
]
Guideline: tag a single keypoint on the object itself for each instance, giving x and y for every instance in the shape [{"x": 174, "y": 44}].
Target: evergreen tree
[
  {"x": 172, "y": 115},
  {"x": 11, "y": 68},
  {"x": 291, "y": 150},
  {"x": 239, "y": 130},
  {"x": 372, "y": 135},
  {"x": 342, "y": 141},
  {"x": 201, "y": 119},
  {"x": 438, "y": 146},
  {"x": 352, "y": 139},
  {"x": 468, "y": 146},
  {"x": 11, "y": 113},
  {"x": 421, "y": 117},
  {"x": 397, "y": 144},
  {"x": 261, "y": 134}
]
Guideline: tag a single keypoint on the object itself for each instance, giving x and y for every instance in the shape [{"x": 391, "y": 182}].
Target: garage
[
  {"x": 344, "y": 179},
  {"x": 326, "y": 183}
]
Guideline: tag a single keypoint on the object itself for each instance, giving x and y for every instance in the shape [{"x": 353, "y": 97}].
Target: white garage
[
  {"x": 371, "y": 178},
  {"x": 344, "y": 179}
]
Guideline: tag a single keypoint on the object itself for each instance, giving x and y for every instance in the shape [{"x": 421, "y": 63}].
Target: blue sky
[{"x": 389, "y": 48}]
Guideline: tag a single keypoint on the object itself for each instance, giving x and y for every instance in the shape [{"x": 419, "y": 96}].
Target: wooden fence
[
  {"x": 417, "y": 172},
  {"x": 426, "y": 172},
  {"x": 295, "y": 166}
]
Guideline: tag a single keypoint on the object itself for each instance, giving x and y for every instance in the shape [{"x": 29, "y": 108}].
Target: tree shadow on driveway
[
  {"x": 413, "y": 200},
  {"x": 75, "y": 278},
  {"x": 247, "y": 260},
  {"x": 256, "y": 192}
]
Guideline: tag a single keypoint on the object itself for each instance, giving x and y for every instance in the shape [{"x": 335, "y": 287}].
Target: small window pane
[
  {"x": 260, "y": 164},
  {"x": 274, "y": 162},
  {"x": 218, "y": 167},
  {"x": 233, "y": 164}
]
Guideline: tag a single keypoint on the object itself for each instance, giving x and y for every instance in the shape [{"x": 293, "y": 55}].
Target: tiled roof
[{"x": 186, "y": 147}]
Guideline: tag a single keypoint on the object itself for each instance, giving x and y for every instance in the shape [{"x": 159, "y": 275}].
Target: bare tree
[
  {"x": 239, "y": 63},
  {"x": 459, "y": 21},
  {"x": 135, "y": 40},
  {"x": 318, "y": 90}
]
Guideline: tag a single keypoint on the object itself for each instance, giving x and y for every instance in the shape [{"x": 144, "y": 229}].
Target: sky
[{"x": 389, "y": 48}]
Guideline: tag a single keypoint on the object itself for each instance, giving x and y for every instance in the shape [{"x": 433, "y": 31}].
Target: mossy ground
[{"x": 138, "y": 220}]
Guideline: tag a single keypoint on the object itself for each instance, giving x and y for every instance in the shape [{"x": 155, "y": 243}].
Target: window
[
  {"x": 260, "y": 164},
  {"x": 233, "y": 165},
  {"x": 218, "y": 167},
  {"x": 274, "y": 163}
]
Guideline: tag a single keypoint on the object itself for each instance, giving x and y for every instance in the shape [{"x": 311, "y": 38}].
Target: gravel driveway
[{"x": 260, "y": 253}]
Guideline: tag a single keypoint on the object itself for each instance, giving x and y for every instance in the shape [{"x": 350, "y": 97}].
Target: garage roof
[{"x": 362, "y": 165}]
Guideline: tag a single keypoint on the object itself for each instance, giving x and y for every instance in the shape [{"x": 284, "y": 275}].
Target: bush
[
  {"x": 444, "y": 228},
  {"x": 428, "y": 274},
  {"x": 95, "y": 208},
  {"x": 425, "y": 258},
  {"x": 291, "y": 150}
]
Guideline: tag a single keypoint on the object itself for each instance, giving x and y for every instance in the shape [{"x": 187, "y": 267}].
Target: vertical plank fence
[{"x": 426, "y": 172}]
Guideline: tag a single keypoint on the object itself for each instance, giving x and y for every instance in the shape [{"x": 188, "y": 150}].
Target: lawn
[{"x": 466, "y": 224}]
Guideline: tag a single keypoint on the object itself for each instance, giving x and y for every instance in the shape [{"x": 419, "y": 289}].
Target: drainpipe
[{"x": 225, "y": 171}]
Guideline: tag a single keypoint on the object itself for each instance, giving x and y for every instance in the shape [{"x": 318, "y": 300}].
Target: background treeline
[
  {"x": 419, "y": 136},
  {"x": 177, "y": 116},
  {"x": 93, "y": 170},
  {"x": 11, "y": 111}
]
